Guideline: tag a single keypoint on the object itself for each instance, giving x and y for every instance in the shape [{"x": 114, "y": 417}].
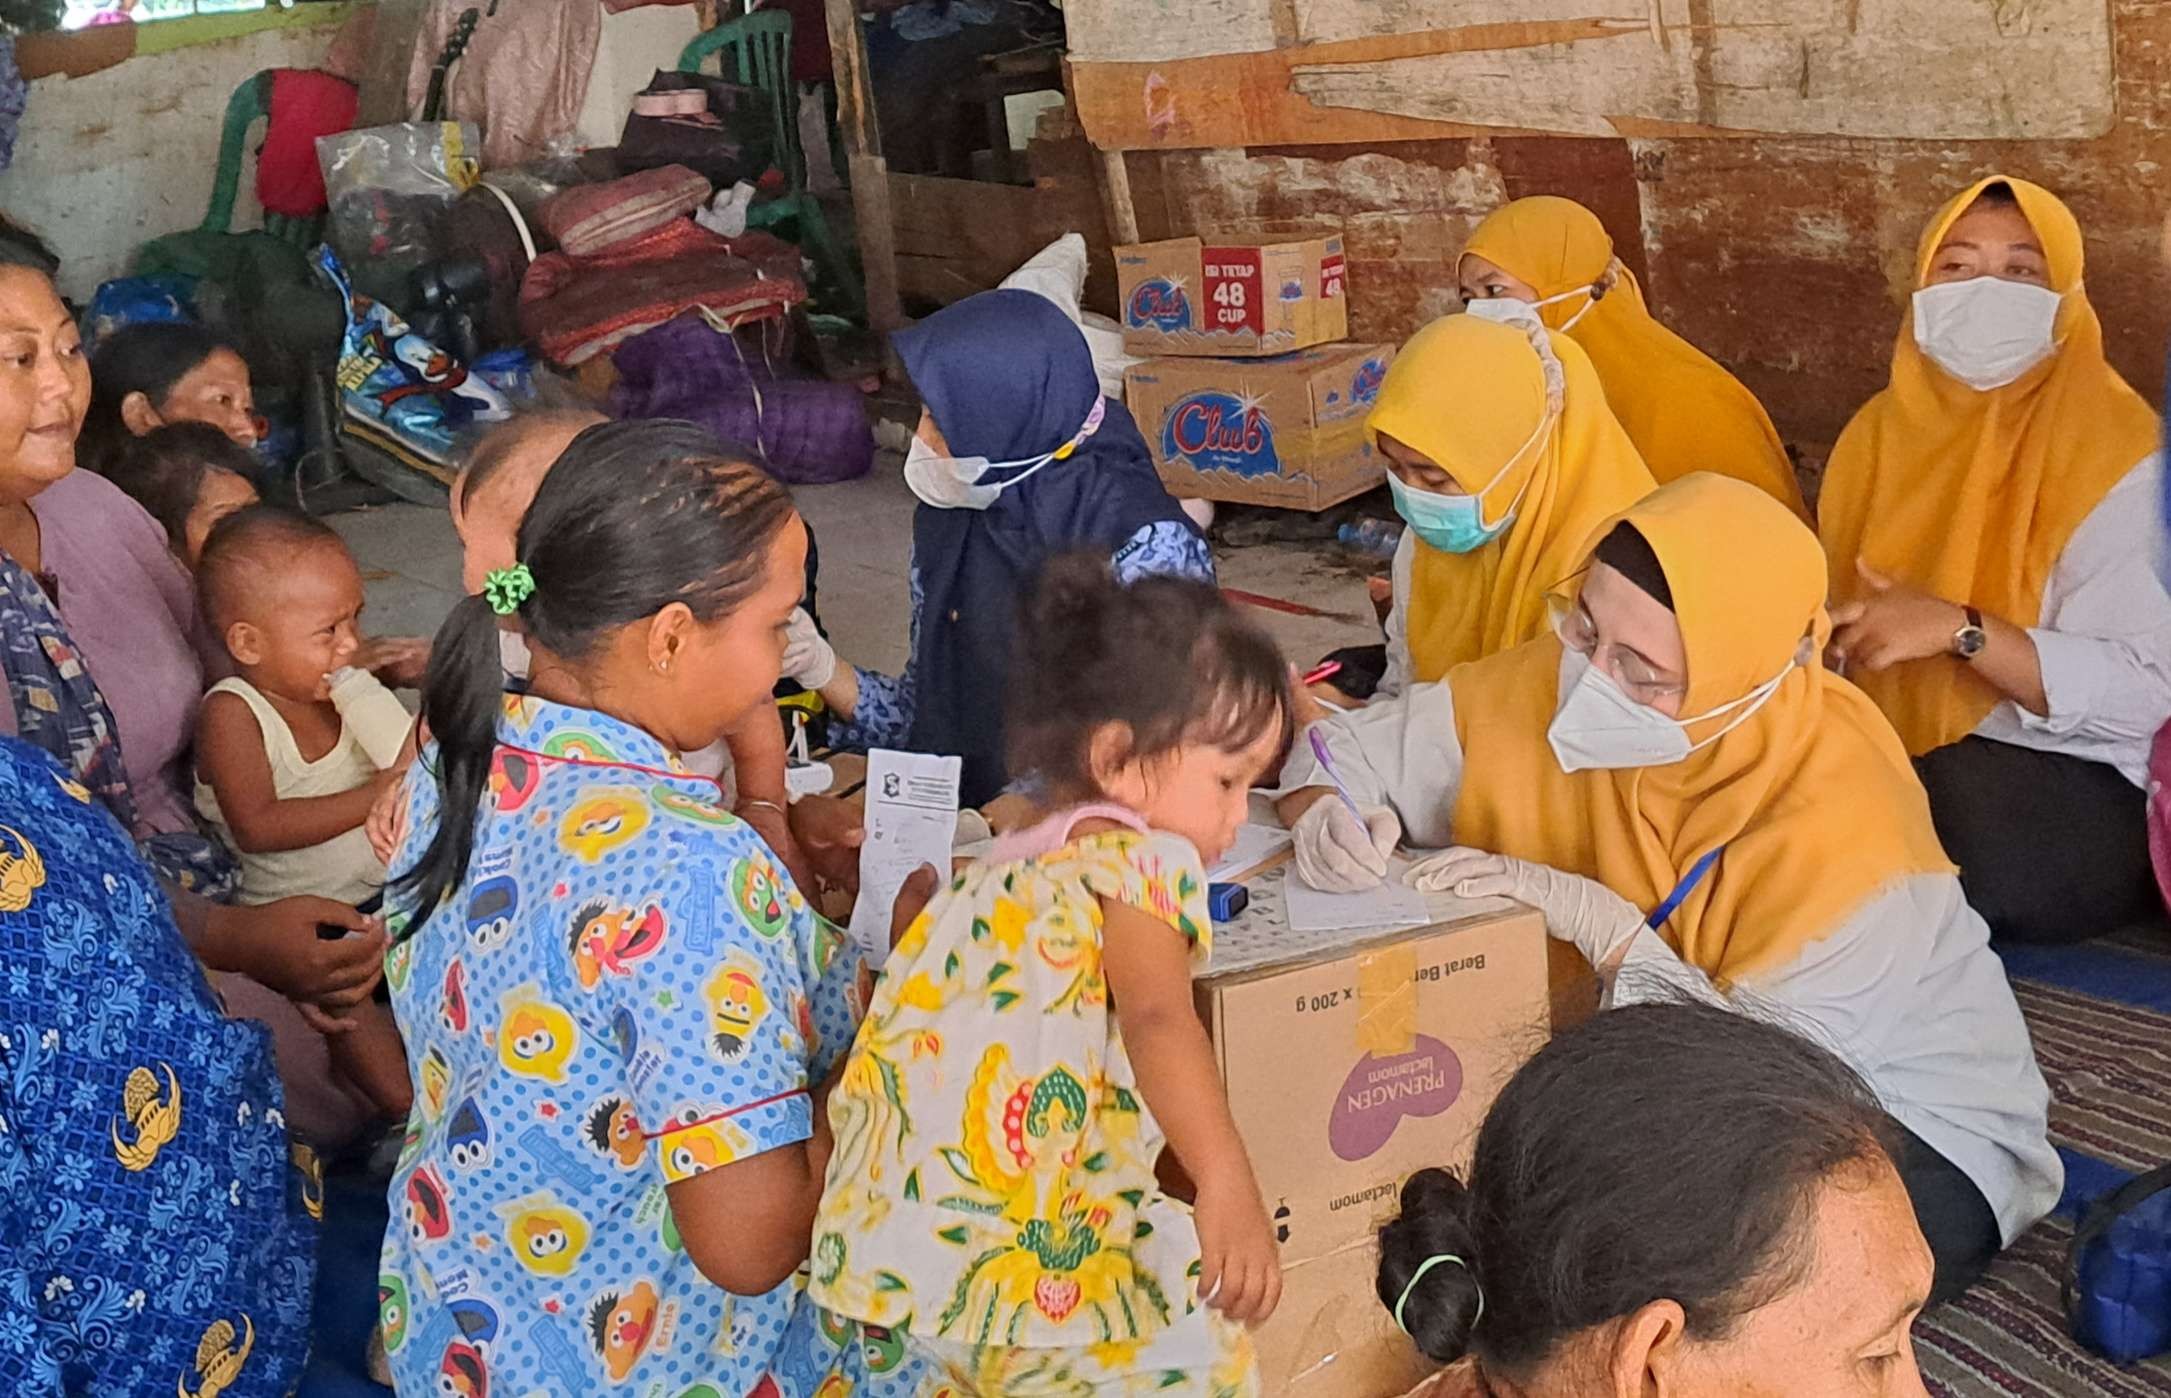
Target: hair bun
[{"x": 1439, "y": 1304}]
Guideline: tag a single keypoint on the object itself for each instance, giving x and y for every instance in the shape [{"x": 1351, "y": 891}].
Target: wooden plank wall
[{"x": 1786, "y": 256}]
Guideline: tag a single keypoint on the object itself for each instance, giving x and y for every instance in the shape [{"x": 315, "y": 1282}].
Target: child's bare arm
[
  {"x": 1148, "y": 968},
  {"x": 230, "y": 758},
  {"x": 373, "y": 1058},
  {"x": 748, "y": 1225}
]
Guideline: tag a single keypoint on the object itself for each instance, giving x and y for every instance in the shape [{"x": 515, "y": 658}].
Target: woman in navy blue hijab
[{"x": 1017, "y": 458}]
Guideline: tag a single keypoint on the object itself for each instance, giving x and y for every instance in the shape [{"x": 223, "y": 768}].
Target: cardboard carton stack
[{"x": 1252, "y": 394}]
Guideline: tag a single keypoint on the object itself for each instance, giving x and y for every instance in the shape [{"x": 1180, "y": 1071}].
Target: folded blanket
[
  {"x": 593, "y": 218},
  {"x": 576, "y": 308}
]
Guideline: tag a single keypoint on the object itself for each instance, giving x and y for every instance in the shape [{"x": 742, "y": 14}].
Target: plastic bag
[
  {"x": 400, "y": 385},
  {"x": 389, "y": 186}
]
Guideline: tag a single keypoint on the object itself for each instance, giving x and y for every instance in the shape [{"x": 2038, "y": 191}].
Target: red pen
[{"x": 1325, "y": 672}]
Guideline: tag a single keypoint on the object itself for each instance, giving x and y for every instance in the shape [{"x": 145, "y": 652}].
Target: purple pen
[{"x": 1319, "y": 750}]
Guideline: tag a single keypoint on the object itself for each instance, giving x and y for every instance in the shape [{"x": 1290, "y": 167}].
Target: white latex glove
[
  {"x": 1336, "y": 853},
  {"x": 1598, "y": 921},
  {"x": 808, "y": 658}
]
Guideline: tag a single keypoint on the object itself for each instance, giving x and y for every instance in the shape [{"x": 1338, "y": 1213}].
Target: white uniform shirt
[
  {"x": 1906, "y": 989},
  {"x": 2104, "y": 637}
]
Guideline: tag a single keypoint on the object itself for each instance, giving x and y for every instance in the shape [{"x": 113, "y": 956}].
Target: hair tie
[
  {"x": 505, "y": 589},
  {"x": 1419, "y": 1275}
]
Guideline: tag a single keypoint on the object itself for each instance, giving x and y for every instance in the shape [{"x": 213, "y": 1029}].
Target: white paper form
[
  {"x": 1254, "y": 845},
  {"x": 1392, "y": 904},
  {"x": 911, "y": 819}
]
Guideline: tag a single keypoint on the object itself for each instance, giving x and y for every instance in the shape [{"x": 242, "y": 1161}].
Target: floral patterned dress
[{"x": 992, "y": 1191}]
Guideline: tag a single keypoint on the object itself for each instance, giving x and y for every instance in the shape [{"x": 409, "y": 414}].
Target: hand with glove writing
[
  {"x": 1598, "y": 921},
  {"x": 1337, "y": 853},
  {"x": 808, "y": 657}
]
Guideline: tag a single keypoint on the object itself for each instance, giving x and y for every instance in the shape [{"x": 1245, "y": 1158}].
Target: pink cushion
[{"x": 588, "y": 218}]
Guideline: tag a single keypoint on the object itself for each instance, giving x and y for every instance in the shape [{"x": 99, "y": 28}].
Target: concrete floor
[{"x": 411, "y": 561}]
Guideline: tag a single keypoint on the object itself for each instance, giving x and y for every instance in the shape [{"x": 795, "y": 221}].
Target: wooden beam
[
  {"x": 1116, "y": 202},
  {"x": 877, "y": 241},
  {"x": 855, "y": 88}
]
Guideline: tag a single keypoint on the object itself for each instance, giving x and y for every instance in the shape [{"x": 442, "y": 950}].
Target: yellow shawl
[
  {"x": 1470, "y": 394},
  {"x": 1972, "y": 496},
  {"x": 1682, "y": 410},
  {"x": 1811, "y": 799}
]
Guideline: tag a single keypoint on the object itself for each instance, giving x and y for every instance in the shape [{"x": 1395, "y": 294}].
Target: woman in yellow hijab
[
  {"x": 1989, "y": 523},
  {"x": 1501, "y": 455},
  {"x": 1698, "y": 806},
  {"x": 1683, "y": 411}
]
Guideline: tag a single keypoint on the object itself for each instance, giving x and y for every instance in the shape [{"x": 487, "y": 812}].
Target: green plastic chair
[
  {"x": 756, "y": 51},
  {"x": 250, "y": 104}
]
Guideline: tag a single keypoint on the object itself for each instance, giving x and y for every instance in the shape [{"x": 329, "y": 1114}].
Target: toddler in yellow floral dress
[{"x": 992, "y": 1197}]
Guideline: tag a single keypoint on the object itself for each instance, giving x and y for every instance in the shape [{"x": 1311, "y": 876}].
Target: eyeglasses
[{"x": 1638, "y": 679}]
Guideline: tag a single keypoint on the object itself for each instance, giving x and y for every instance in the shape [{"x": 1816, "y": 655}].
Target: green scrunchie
[{"x": 505, "y": 589}]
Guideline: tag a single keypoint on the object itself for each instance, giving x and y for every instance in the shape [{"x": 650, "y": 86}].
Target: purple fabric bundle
[{"x": 806, "y": 431}]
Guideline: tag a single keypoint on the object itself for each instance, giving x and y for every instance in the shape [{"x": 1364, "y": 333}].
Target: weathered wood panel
[{"x": 1911, "y": 69}]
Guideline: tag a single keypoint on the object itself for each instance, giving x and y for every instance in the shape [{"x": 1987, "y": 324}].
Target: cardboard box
[
  {"x": 1331, "y": 1337},
  {"x": 1351, "y": 1067},
  {"x": 1286, "y": 431},
  {"x": 1236, "y": 297}
]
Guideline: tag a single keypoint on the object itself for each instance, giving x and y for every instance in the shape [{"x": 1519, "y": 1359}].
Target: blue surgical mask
[{"x": 1450, "y": 523}]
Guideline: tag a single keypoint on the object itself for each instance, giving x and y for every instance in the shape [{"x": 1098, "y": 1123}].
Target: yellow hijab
[
  {"x": 1683, "y": 411},
  {"x": 1972, "y": 496},
  {"x": 1474, "y": 397},
  {"x": 1810, "y": 798}
]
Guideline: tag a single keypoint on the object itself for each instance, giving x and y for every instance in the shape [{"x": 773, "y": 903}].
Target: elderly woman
[
  {"x": 1990, "y": 524},
  {"x": 1669, "y": 1199},
  {"x": 97, "y": 643},
  {"x": 1698, "y": 807},
  {"x": 1682, "y": 410},
  {"x": 1017, "y": 458},
  {"x": 1503, "y": 456}
]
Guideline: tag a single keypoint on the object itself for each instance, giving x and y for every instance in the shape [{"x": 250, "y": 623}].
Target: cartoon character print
[
  {"x": 467, "y": 1138},
  {"x": 392, "y": 1311},
  {"x": 452, "y": 1008},
  {"x": 737, "y": 1005},
  {"x": 436, "y": 1075},
  {"x": 759, "y": 891},
  {"x": 515, "y": 777},
  {"x": 700, "y": 1139},
  {"x": 477, "y": 1320},
  {"x": 620, "y": 1326},
  {"x": 492, "y": 905},
  {"x": 429, "y": 1208},
  {"x": 463, "y": 1372},
  {"x": 686, "y": 806},
  {"x": 606, "y": 819},
  {"x": 612, "y": 1131},
  {"x": 546, "y": 1236},
  {"x": 574, "y": 745},
  {"x": 604, "y": 940},
  {"x": 627, "y": 1032},
  {"x": 399, "y": 964},
  {"x": 536, "y": 1037}
]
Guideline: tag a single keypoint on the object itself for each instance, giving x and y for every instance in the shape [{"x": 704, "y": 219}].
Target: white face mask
[
  {"x": 953, "y": 482},
  {"x": 1599, "y": 727},
  {"x": 1986, "y": 331},
  {"x": 1506, "y": 310}
]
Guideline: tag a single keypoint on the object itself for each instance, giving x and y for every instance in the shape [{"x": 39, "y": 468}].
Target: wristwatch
[{"x": 1969, "y": 640}]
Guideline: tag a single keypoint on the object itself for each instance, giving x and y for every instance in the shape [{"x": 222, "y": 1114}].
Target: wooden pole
[
  {"x": 869, "y": 172},
  {"x": 1116, "y": 198}
]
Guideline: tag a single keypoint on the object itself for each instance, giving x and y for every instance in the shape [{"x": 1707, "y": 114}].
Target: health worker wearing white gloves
[{"x": 1697, "y": 805}]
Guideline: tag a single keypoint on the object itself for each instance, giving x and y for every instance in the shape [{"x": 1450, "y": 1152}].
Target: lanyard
[{"x": 1682, "y": 890}]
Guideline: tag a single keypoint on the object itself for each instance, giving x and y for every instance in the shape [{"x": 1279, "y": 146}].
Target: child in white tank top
[{"x": 290, "y": 755}]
